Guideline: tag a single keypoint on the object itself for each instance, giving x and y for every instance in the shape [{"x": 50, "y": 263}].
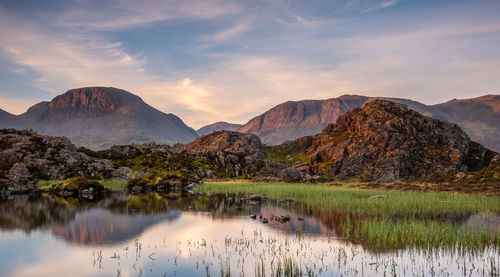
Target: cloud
[
  {"x": 302, "y": 57},
  {"x": 370, "y": 5},
  {"x": 120, "y": 14},
  {"x": 230, "y": 33}
]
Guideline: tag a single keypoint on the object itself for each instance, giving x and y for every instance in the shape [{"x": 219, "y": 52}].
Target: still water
[{"x": 173, "y": 235}]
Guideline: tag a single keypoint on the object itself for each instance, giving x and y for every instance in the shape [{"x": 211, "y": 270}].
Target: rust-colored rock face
[
  {"x": 386, "y": 141},
  {"x": 91, "y": 99},
  {"x": 291, "y": 119},
  {"x": 227, "y": 141}
]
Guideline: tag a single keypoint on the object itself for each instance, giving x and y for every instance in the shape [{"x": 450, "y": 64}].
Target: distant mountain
[
  {"x": 294, "y": 119},
  {"x": 217, "y": 126},
  {"x": 479, "y": 117},
  {"x": 99, "y": 117},
  {"x": 7, "y": 119}
]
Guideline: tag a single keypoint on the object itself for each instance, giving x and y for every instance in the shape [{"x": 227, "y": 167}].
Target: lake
[{"x": 205, "y": 235}]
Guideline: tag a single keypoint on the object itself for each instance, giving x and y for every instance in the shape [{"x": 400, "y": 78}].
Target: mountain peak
[
  {"x": 96, "y": 99},
  {"x": 99, "y": 117}
]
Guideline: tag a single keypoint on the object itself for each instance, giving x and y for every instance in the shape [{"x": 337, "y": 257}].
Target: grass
[
  {"x": 386, "y": 233},
  {"x": 350, "y": 201},
  {"x": 110, "y": 184},
  {"x": 392, "y": 220}
]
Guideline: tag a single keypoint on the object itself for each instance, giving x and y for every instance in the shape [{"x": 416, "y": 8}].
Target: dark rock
[
  {"x": 282, "y": 219},
  {"x": 27, "y": 157}
]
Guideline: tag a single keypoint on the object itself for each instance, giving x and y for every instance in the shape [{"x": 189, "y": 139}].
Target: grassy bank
[
  {"x": 386, "y": 219},
  {"x": 110, "y": 184}
]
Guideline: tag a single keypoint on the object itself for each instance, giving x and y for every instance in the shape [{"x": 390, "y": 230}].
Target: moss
[
  {"x": 281, "y": 156},
  {"x": 75, "y": 183},
  {"x": 200, "y": 163},
  {"x": 222, "y": 175},
  {"x": 324, "y": 165}
]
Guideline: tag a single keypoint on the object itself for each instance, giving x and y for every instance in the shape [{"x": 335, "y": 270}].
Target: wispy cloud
[
  {"x": 229, "y": 33},
  {"x": 370, "y": 5},
  {"x": 258, "y": 62},
  {"x": 120, "y": 14}
]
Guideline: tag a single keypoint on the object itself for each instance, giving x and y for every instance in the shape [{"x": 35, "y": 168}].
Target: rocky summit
[{"x": 387, "y": 141}]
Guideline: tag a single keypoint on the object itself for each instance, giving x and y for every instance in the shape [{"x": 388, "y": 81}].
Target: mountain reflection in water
[
  {"x": 182, "y": 235},
  {"x": 121, "y": 217}
]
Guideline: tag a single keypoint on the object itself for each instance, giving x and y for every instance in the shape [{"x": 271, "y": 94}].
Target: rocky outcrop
[
  {"x": 218, "y": 126},
  {"x": 100, "y": 117},
  {"x": 386, "y": 141},
  {"x": 26, "y": 157},
  {"x": 237, "y": 154}
]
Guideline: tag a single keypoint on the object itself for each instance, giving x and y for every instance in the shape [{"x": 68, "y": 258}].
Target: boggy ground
[{"x": 388, "y": 219}]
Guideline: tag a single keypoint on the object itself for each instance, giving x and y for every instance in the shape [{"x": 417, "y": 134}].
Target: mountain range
[
  {"x": 479, "y": 117},
  {"x": 99, "y": 117}
]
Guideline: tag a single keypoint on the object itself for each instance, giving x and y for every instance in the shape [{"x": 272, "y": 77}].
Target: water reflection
[{"x": 179, "y": 235}]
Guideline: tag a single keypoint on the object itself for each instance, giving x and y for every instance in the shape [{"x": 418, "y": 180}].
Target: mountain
[
  {"x": 294, "y": 119},
  {"x": 7, "y": 120},
  {"x": 99, "y": 117},
  {"x": 386, "y": 141},
  {"x": 217, "y": 126},
  {"x": 479, "y": 117}
]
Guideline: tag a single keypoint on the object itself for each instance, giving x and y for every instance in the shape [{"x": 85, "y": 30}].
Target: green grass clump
[
  {"x": 382, "y": 233},
  {"x": 114, "y": 184},
  {"x": 290, "y": 159},
  {"x": 109, "y": 184}
]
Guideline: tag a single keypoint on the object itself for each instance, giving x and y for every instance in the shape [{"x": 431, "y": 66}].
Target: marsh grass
[
  {"x": 350, "y": 201},
  {"x": 391, "y": 219},
  {"x": 110, "y": 184},
  {"x": 387, "y": 233}
]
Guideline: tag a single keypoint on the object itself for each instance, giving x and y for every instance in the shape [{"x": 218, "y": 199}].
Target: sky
[{"x": 213, "y": 60}]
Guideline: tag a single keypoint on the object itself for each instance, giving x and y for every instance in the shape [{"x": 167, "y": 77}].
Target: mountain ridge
[{"x": 281, "y": 123}]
